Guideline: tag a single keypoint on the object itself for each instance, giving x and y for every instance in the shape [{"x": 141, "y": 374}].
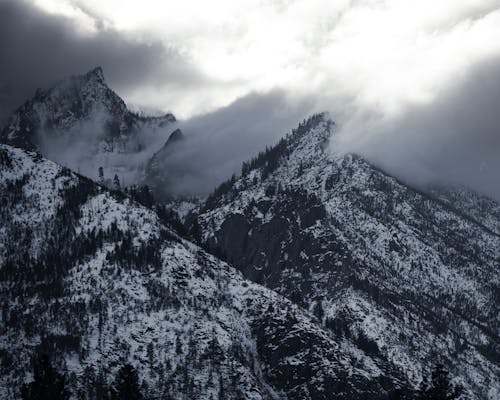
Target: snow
[{"x": 441, "y": 254}]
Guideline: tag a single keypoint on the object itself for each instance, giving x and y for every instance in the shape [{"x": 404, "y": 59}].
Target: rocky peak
[
  {"x": 95, "y": 74},
  {"x": 63, "y": 107},
  {"x": 82, "y": 111},
  {"x": 174, "y": 137}
]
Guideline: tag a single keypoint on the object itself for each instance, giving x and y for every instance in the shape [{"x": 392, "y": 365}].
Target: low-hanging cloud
[
  {"x": 453, "y": 139},
  {"x": 217, "y": 143}
]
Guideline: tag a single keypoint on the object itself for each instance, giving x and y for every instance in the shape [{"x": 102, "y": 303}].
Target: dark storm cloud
[
  {"x": 453, "y": 139},
  {"x": 37, "y": 49}
]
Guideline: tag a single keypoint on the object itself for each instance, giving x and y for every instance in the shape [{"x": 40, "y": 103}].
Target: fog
[
  {"x": 217, "y": 143},
  {"x": 86, "y": 146},
  {"x": 454, "y": 139}
]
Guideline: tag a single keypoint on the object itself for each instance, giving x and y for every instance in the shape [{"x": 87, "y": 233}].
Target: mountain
[
  {"x": 410, "y": 276},
  {"x": 160, "y": 170},
  {"x": 83, "y": 124},
  {"x": 96, "y": 281}
]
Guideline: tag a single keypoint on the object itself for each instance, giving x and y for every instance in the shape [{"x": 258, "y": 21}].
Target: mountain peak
[
  {"x": 175, "y": 136},
  {"x": 95, "y": 74}
]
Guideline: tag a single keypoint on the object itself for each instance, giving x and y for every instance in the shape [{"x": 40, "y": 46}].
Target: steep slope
[
  {"x": 412, "y": 277},
  {"x": 160, "y": 170},
  {"x": 96, "y": 281},
  {"x": 83, "y": 124}
]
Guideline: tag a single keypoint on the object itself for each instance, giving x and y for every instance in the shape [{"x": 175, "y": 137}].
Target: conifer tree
[
  {"x": 116, "y": 183},
  {"x": 126, "y": 385},
  {"x": 101, "y": 175},
  {"x": 195, "y": 232},
  {"x": 318, "y": 310}
]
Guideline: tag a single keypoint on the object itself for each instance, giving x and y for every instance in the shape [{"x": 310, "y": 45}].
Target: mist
[
  {"x": 86, "y": 146},
  {"x": 452, "y": 140},
  {"x": 217, "y": 143}
]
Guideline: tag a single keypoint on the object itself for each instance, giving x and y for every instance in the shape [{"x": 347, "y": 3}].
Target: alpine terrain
[
  {"x": 98, "y": 281},
  {"x": 311, "y": 275},
  {"x": 83, "y": 124},
  {"x": 411, "y": 276}
]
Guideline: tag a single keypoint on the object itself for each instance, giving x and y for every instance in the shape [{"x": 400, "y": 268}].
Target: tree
[
  {"x": 116, "y": 183},
  {"x": 318, "y": 310},
  {"x": 439, "y": 387},
  {"x": 48, "y": 383},
  {"x": 126, "y": 385},
  {"x": 151, "y": 355},
  {"x": 101, "y": 175},
  {"x": 195, "y": 232}
]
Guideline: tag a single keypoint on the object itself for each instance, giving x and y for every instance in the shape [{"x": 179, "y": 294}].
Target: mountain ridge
[
  {"x": 350, "y": 280},
  {"x": 98, "y": 281},
  {"x": 312, "y": 224}
]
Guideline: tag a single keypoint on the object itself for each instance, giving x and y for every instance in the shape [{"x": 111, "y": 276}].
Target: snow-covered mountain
[
  {"x": 83, "y": 124},
  {"x": 351, "y": 283},
  {"x": 412, "y": 277},
  {"x": 96, "y": 280}
]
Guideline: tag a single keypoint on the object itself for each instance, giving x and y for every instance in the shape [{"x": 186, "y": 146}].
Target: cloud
[
  {"x": 453, "y": 139},
  {"x": 217, "y": 143},
  {"x": 37, "y": 49},
  {"x": 405, "y": 80}
]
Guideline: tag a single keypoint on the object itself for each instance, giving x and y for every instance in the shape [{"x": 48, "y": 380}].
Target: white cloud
[{"x": 383, "y": 52}]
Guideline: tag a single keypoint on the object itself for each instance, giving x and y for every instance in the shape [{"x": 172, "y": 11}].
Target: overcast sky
[{"x": 392, "y": 72}]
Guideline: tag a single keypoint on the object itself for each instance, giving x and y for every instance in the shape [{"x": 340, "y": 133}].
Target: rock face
[
  {"x": 83, "y": 124},
  {"x": 96, "y": 281},
  {"x": 159, "y": 170},
  {"x": 412, "y": 277}
]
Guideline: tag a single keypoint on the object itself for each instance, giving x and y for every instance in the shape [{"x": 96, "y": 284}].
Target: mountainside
[
  {"x": 159, "y": 170},
  {"x": 411, "y": 277},
  {"x": 83, "y": 124},
  {"x": 96, "y": 281}
]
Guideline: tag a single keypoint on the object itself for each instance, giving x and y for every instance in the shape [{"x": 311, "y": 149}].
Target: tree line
[{"x": 50, "y": 384}]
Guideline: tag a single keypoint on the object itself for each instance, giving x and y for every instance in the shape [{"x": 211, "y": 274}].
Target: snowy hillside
[
  {"x": 96, "y": 281},
  {"x": 412, "y": 277}
]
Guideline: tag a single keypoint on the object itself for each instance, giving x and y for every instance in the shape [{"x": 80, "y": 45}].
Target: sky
[{"x": 413, "y": 85}]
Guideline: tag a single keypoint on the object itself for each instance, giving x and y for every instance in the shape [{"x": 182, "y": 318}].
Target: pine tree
[
  {"x": 195, "y": 232},
  {"x": 151, "y": 355},
  {"x": 116, "y": 183},
  {"x": 318, "y": 310},
  {"x": 126, "y": 385},
  {"x": 48, "y": 383},
  {"x": 101, "y": 175}
]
